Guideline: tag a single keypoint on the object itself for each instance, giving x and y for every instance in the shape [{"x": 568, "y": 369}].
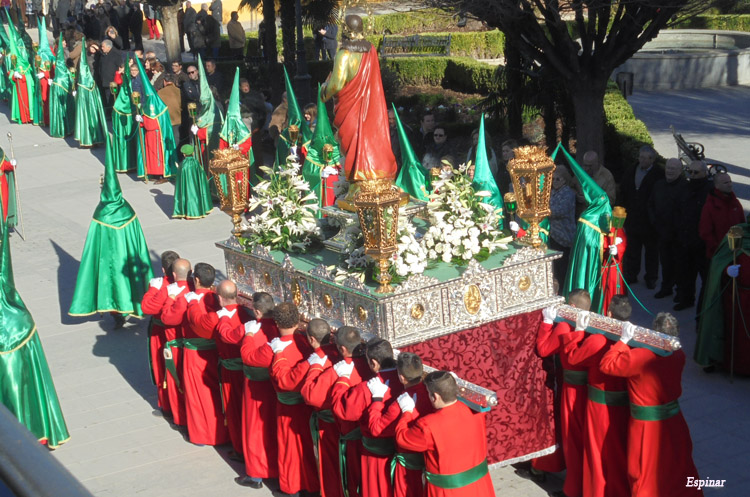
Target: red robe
[
  {"x": 297, "y": 468},
  {"x": 606, "y": 439},
  {"x": 572, "y": 406},
  {"x": 44, "y": 88},
  {"x": 172, "y": 315},
  {"x": 152, "y": 303},
  {"x": 720, "y": 212},
  {"x": 200, "y": 369},
  {"x": 361, "y": 117},
  {"x": 316, "y": 392},
  {"x": 5, "y": 167},
  {"x": 453, "y": 440},
  {"x": 152, "y": 142},
  {"x": 259, "y": 405},
  {"x": 232, "y": 380},
  {"x": 22, "y": 92},
  {"x": 382, "y": 419},
  {"x": 244, "y": 146},
  {"x": 352, "y": 406},
  {"x": 612, "y": 283},
  {"x": 660, "y": 453}
]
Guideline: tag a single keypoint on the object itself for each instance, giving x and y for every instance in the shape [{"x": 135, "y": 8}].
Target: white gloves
[
  {"x": 582, "y": 320},
  {"x": 618, "y": 240},
  {"x": 17, "y": 75},
  {"x": 156, "y": 283},
  {"x": 316, "y": 359},
  {"x": 252, "y": 327},
  {"x": 343, "y": 368},
  {"x": 549, "y": 314},
  {"x": 190, "y": 296},
  {"x": 405, "y": 402},
  {"x": 377, "y": 388},
  {"x": 74, "y": 93},
  {"x": 224, "y": 313},
  {"x": 613, "y": 250},
  {"x": 49, "y": 81},
  {"x": 277, "y": 345},
  {"x": 39, "y": 75},
  {"x": 329, "y": 171},
  {"x": 236, "y": 146},
  {"x": 514, "y": 227},
  {"x": 628, "y": 332},
  {"x": 13, "y": 162},
  {"x": 139, "y": 118},
  {"x": 194, "y": 129},
  {"x": 733, "y": 271},
  {"x": 174, "y": 289}
]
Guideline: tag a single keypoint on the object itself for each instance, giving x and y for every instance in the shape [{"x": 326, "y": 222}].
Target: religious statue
[{"x": 361, "y": 115}]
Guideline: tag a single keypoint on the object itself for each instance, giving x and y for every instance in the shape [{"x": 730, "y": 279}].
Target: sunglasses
[
  {"x": 192, "y": 72},
  {"x": 694, "y": 172}
]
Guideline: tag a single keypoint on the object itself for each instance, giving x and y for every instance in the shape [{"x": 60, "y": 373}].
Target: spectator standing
[
  {"x": 236, "y": 36},
  {"x": 311, "y": 116},
  {"x": 151, "y": 17},
  {"x": 216, "y": 13},
  {"x": 181, "y": 28},
  {"x": 171, "y": 96},
  {"x": 214, "y": 77},
  {"x": 503, "y": 176},
  {"x": 60, "y": 16},
  {"x": 636, "y": 187},
  {"x": 426, "y": 128},
  {"x": 188, "y": 24},
  {"x": 109, "y": 61},
  {"x": 112, "y": 35},
  {"x": 662, "y": 208},
  {"x": 393, "y": 132},
  {"x": 562, "y": 220},
  {"x": 198, "y": 36},
  {"x": 601, "y": 176},
  {"x": 124, "y": 13},
  {"x": 330, "y": 41},
  {"x": 136, "y": 25},
  {"x": 721, "y": 211},
  {"x": 180, "y": 75},
  {"x": 440, "y": 147},
  {"x": 213, "y": 35},
  {"x": 691, "y": 250}
]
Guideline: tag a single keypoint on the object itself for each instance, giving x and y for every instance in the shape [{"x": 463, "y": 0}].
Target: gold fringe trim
[
  {"x": 115, "y": 227},
  {"x": 25, "y": 341},
  {"x": 53, "y": 447},
  {"x": 590, "y": 225},
  {"x": 100, "y": 311}
]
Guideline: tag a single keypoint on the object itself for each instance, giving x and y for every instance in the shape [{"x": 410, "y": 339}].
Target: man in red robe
[
  {"x": 721, "y": 211},
  {"x": 382, "y": 418},
  {"x": 352, "y": 406},
  {"x": 259, "y": 397},
  {"x": 361, "y": 115},
  {"x": 231, "y": 376},
  {"x": 6, "y": 165},
  {"x": 573, "y": 391},
  {"x": 200, "y": 363},
  {"x": 453, "y": 441},
  {"x": 172, "y": 315},
  {"x": 153, "y": 303},
  {"x": 21, "y": 93},
  {"x": 607, "y": 413},
  {"x": 322, "y": 389},
  {"x": 297, "y": 471},
  {"x": 613, "y": 247},
  {"x": 660, "y": 450},
  {"x": 45, "y": 75}
]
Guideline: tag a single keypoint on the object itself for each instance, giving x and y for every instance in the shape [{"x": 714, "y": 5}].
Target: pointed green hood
[
  {"x": 323, "y": 135},
  {"x": 113, "y": 209},
  {"x": 598, "y": 210},
  {"x": 209, "y": 114},
  {"x": 16, "y": 323},
  {"x": 234, "y": 131},
  {"x": 294, "y": 113},
  {"x": 4, "y": 40},
  {"x": 85, "y": 78},
  {"x": 62, "y": 74},
  {"x": 44, "y": 51},
  {"x": 124, "y": 103},
  {"x": 411, "y": 178},
  {"x": 151, "y": 104},
  {"x": 17, "y": 47},
  {"x": 483, "y": 179}
]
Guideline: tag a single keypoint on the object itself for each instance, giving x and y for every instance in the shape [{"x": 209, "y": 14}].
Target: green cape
[
  {"x": 411, "y": 177},
  {"x": 192, "y": 196},
  {"x": 90, "y": 127},
  {"x": 709, "y": 349},
  {"x": 585, "y": 268},
  {"x": 314, "y": 161},
  {"x": 115, "y": 266},
  {"x": 26, "y": 386},
  {"x": 125, "y": 129},
  {"x": 294, "y": 116},
  {"x": 24, "y": 68},
  {"x": 483, "y": 179},
  {"x": 62, "y": 104},
  {"x": 44, "y": 50},
  {"x": 12, "y": 219},
  {"x": 153, "y": 107}
]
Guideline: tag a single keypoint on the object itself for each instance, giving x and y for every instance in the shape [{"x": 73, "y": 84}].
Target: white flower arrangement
[
  {"x": 411, "y": 257},
  {"x": 286, "y": 220}
]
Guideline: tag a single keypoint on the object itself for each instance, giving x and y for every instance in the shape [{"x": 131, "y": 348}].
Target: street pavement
[{"x": 118, "y": 446}]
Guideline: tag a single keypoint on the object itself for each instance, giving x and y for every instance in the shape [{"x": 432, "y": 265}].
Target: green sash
[
  {"x": 355, "y": 434},
  {"x": 198, "y": 344},
  {"x": 326, "y": 415},
  {"x": 253, "y": 373},
  {"x": 608, "y": 397},
  {"x": 233, "y": 364},
  {"x": 169, "y": 363},
  {"x": 289, "y": 398},
  {"x": 655, "y": 413},
  {"x": 575, "y": 377},
  {"x": 380, "y": 446},
  {"x": 409, "y": 460},
  {"x": 458, "y": 480}
]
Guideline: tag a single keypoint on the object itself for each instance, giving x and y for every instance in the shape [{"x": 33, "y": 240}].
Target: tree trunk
[
  {"x": 588, "y": 104},
  {"x": 288, "y": 26},
  {"x": 171, "y": 32},
  {"x": 514, "y": 82},
  {"x": 269, "y": 39}
]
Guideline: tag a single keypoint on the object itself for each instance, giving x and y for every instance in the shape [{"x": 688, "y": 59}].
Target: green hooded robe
[
  {"x": 483, "y": 178},
  {"x": 4, "y": 65},
  {"x": 411, "y": 177},
  {"x": 91, "y": 125},
  {"x": 234, "y": 130},
  {"x": 294, "y": 116},
  {"x": 115, "y": 266},
  {"x": 24, "y": 68},
  {"x": 192, "y": 195},
  {"x": 62, "y": 104},
  {"x": 209, "y": 115},
  {"x": 125, "y": 129},
  {"x": 314, "y": 160},
  {"x": 47, "y": 60},
  {"x": 153, "y": 107},
  {"x": 26, "y": 386}
]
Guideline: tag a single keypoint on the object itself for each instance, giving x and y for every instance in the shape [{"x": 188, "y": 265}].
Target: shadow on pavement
[{"x": 67, "y": 273}]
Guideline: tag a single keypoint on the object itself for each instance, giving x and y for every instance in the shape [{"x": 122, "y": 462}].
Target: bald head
[
  {"x": 672, "y": 169},
  {"x": 181, "y": 269},
  {"x": 723, "y": 183},
  {"x": 227, "y": 292},
  {"x": 591, "y": 162},
  {"x": 697, "y": 169}
]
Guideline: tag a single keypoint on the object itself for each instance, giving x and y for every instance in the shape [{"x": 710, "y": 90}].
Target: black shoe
[
  {"x": 530, "y": 474},
  {"x": 682, "y": 305},
  {"x": 631, "y": 280},
  {"x": 235, "y": 456},
  {"x": 650, "y": 284},
  {"x": 246, "y": 481},
  {"x": 676, "y": 298},
  {"x": 120, "y": 320},
  {"x": 709, "y": 369},
  {"x": 663, "y": 293}
]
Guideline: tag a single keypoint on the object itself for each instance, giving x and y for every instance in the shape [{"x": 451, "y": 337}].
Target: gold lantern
[
  {"x": 531, "y": 172},
  {"x": 617, "y": 221},
  {"x": 136, "y": 98},
  {"x": 113, "y": 88},
  {"x": 377, "y": 207},
  {"x": 192, "y": 110},
  {"x": 734, "y": 238},
  {"x": 293, "y": 135},
  {"x": 38, "y": 62},
  {"x": 231, "y": 173}
]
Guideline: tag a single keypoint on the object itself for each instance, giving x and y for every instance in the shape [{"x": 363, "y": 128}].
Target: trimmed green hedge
[
  {"x": 410, "y": 22},
  {"x": 624, "y": 134},
  {"x": 737, "y": 22}
]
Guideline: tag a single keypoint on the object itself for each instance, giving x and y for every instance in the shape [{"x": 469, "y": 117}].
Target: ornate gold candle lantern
[
  {"x": 617, "y": 221},
  {"x": 231, "y": 173},
  {"x": 113, "y": 88},
  {"x": 136, "y": 98},
  {"x": 38, "y": 62},
  {"x": 293, "y": 135},
  {"x": 328, "y": 153},
  {"x": 377, "y": 207},
  {"x": 531, "y": 172},
  {"x": 192, "y": 110}
]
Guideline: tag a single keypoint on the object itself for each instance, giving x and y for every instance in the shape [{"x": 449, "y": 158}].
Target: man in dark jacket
[
  {"x": 330, "y": 43},
  {"x": 635, "y": 190},
  {"x": 123, "y": 13},
  {"x": 662, "y": 207},
  {"x": 188, "y": 24},
  {"x": 136, "y": 25},
  {"x": 213, "y": 35},
  {"x": 690, "y": 250},
  {"x": 109, "y": 60}
]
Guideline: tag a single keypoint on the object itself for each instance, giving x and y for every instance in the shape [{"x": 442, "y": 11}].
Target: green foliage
[
  {"x": 624, "y": 134},
  {"x": 736, "y": 22},
  {"x": 455, "y": 73},
  {"x": 410, "y": 22}
]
